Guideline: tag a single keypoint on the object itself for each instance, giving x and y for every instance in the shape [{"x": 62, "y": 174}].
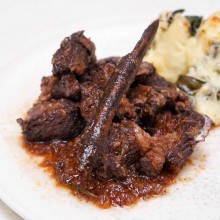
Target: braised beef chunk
[
  {"x": 47, "y": 85},
  {"x": 147, "y": 101},
  {"x": 90, "y": 96},
  {"x": 52, "y": 120},
  {"x": 57, "y": 88},
  {"x": 126, "y": 139},
  {"x": 126, "y": 110},
  {"x": 174, "y": 140},
  {"x": 66, "y": 87},
  {"x": 109, "y": 60},
  {"x": 99, "y": 73},
  {"x": 147, "y": 76},
  {"x": 75, "y": 55},
  {"x": 195, "y": 128}
]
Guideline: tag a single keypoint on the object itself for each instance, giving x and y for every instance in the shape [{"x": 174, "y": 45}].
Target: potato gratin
[{"x": 186, "y": 50}]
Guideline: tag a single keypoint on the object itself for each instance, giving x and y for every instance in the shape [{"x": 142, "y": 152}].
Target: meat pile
[{"x": 154, "y": 125}]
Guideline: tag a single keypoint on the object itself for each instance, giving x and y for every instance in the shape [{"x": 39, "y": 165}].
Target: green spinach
[{"x": 195, "y": 22}]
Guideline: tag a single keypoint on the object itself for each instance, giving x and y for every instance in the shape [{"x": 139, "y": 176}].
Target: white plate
[{"x": 29, "y": 191}]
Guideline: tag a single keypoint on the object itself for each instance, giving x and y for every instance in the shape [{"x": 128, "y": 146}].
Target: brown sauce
[{"x": 88, "y": 187}]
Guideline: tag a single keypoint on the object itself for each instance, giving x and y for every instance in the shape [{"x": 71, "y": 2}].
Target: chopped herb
[
  {"x": 178, "y": 11},
  {"x": 195, "y": 22},
  {"x": 189, "y": 84},
  {"x": 88, "y": 193},
  {"x": 82, "y": 190},
  {"x": 122, "y": 152},
  {"x": 174, "y": 13}
]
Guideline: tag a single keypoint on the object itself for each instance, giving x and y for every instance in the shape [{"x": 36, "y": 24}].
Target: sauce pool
[{"x": 62, "y": 158}]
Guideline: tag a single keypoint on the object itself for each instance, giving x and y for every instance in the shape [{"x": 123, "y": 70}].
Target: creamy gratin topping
[{"x": 186, "y": 50}]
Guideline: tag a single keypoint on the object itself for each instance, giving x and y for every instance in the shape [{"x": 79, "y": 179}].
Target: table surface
[{"x": 24, "y": 22}]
